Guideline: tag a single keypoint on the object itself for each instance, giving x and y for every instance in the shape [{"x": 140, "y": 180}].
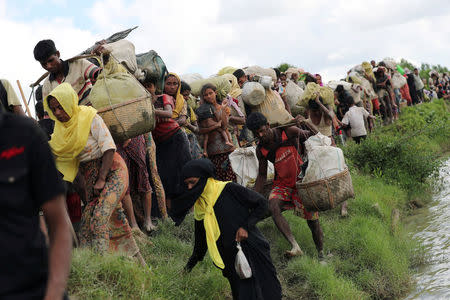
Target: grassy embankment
[{"x": 369, "y": 254}]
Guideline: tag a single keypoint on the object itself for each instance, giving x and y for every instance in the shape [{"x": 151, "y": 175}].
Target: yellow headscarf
[
  {"x": 69, "y": 138},
  {"x": 235, "y": 88},
  {"x": 204, "y": 210},
  {"x": 179, "y": 100}
]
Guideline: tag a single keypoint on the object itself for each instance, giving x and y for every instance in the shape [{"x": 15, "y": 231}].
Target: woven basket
[
  {"x": 129, "y": 119},
  {"x": 326, "y": 193}
]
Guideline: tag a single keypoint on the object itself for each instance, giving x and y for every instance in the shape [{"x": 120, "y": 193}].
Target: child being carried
[{"x": 210, "y": 112}]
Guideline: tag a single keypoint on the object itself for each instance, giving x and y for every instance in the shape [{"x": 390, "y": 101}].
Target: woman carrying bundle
[
  {"x": 82, "y": 144},
  {"x": 226, "y": 213}
]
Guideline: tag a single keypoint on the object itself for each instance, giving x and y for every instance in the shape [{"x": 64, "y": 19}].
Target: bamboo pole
[{"x": 24, "y": 100}]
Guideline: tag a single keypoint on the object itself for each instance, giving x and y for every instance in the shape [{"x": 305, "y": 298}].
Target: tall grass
[{"x": 366, "y": 256}]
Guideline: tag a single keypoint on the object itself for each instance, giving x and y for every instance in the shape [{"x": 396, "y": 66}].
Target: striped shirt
[{"x": 81, "y": 74}]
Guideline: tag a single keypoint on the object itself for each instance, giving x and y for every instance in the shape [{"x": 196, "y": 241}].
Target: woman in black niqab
[{"x": 236, "y": 208}]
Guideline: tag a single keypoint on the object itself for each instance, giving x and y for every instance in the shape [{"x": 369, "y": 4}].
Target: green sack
[{"x": 152, "y": 63}]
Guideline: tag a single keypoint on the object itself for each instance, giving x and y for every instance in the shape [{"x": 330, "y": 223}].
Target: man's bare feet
[{"x": 296, "y": 251}]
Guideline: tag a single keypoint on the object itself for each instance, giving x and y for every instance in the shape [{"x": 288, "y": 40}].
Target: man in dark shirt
[{"x": 29, "y": 182}]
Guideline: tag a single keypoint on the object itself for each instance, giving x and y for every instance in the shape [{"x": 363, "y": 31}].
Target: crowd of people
[{"x": 86, "y": 187}]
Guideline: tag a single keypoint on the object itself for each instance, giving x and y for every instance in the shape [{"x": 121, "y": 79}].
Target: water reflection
[{"x": 431, "y": 226}]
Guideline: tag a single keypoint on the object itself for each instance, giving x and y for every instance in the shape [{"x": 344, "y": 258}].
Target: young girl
[{"x": 210, "y": 112}]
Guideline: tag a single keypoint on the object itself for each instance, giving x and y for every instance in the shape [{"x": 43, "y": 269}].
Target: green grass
[{"x": 366, "y": 257}]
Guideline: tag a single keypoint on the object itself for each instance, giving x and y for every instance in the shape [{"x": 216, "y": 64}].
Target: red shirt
[
  {"x": 287, "y": 163},
  {"x": 164, "y": 128}
]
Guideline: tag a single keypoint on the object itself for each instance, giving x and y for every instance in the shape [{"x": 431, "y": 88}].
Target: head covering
[
  {"x": 199, "y": 168},
  {"x": 179, "y": 100},
  {"x": 69, "y": 138},
  {"x": 235, "y": 88}
]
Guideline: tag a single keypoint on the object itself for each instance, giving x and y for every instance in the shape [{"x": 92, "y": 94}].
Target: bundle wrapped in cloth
[
  {"x": 273, "y": 109},
  {"x": 312, "y": 89},
  {"x": 151, "y": 62},
  {"x": 190, "y": 78},
  {"x": 253, "y": 93},
  {"x": 245, "y": 164},
  {"x": 124, "y": 52},
  {"x": 222, "y": 84},
  {"x": 398, "y": 81},
  {"x": 226, "y": 70},
  {"x": 293, "y": 93},
  {"x": 256, "y": 70},
  {"x": 123, "y": 103}
]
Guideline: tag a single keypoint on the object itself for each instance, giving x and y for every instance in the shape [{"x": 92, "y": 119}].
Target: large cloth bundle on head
[
  {"x": 235, "y": 88},
  {"x": 390, "y": 63},
  {"x": 310, "y": 93},
  {"x": 398, "y": 80},
  {"x": 124, "y": 52},
  {"x": 261, "y": 72},
  {"x": 222, "y": 84},
  {"x": 152, "y": 63},
  {"x": 190, "y": 78},
  {"x": 293, "y": 93},
  {"x": 226, "y": 70},
  {"x": 334, "y": 83},
  {"x": 123, "y": 103},
  {"x": 253, "y": 93},
  {"x": 273, "y": 108}
]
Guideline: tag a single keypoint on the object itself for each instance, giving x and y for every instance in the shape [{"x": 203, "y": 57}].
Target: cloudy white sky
[{"x": 202, "y": 36}]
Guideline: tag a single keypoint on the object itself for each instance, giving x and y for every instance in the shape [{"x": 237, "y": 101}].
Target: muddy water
[{"x": 431, "y": 226}]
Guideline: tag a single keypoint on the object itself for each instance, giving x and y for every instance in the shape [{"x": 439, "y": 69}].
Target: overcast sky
[{"x": 202, "y": 36}]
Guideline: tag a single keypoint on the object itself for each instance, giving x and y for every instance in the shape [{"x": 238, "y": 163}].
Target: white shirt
[
  {"x": 99, "y": 141},
  {"x": 355, "y": 117}
]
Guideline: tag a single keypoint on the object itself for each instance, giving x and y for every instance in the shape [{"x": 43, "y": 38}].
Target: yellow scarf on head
[
  {"x": 235, "y": 88},
  {"x": 204, "y": 210},
  {"x": 179, "y": 100},
  {"x": 69, "y": 138}
]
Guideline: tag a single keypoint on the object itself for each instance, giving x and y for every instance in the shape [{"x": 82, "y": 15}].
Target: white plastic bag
[
  {"x": 323, "y": 160},
  {"x": 241, "y": 264},
  {"x": 245, "y": 165}
]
